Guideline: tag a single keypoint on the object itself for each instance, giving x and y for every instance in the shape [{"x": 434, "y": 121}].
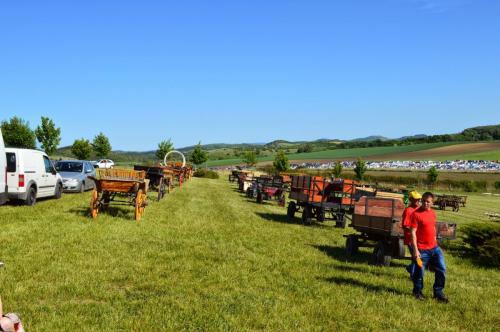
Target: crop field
[
  {"x": 207, "y": 258},
  {"x": 427, "y": 151}
]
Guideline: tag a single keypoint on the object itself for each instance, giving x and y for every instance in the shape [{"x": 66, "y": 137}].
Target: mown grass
[{"x": 207, "y": 258}]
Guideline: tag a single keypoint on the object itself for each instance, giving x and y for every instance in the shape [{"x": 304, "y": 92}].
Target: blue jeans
[{"x": 435, "y": 258}]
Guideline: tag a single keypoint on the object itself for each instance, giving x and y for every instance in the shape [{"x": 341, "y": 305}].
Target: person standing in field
[
  {"x": 426, "y": 250},
  {"x": 414, "y": 198}
]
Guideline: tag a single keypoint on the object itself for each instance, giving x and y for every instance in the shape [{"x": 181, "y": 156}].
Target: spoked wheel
[
  {"x": 282, "y": 200},
  {"x": 94, "y": 204},
  {"x": 140, "y": 204},
  {"x": 381, "y": 255},
  {"x": 320, "y": 214},
  {"x": 259, "y": 197},
  {"x": 161, "y": 189}
]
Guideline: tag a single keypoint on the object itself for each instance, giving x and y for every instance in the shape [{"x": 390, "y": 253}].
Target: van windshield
[{"x": 69, "y": 166}]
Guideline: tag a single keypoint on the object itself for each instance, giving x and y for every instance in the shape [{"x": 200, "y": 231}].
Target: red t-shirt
[
  {"x": 424, "y": 221},
  {"x": 406, "y": 224}
]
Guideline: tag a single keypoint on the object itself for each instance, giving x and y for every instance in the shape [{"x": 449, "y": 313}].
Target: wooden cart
[
  {"x": 160, "y": 179},
  {"x": 379, "y": 223},
  {"x": 114, "y": 183},
  {"x": 453, "y": 201}
]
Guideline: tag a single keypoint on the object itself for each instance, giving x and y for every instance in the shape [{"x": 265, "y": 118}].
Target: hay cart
[
  {"x": 234, "y": 176},
  {"x": 114, "y": 183},
  {"x": 159, "y": 178},
  {"x": 378, "y": 221},
  {"x": 321, "y": 198}
]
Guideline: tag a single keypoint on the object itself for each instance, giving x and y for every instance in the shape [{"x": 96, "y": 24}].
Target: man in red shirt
[
  {"x": 414, "y": 198},
  {"x": 426, "y": 250}
]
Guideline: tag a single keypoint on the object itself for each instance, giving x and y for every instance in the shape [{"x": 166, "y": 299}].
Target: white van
[
  {"x": 31, "y": 175},
  {"x": 3, "y": 172}
]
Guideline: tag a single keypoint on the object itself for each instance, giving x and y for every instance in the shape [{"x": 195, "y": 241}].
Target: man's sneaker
[
  {"x": 419, "y": 296},
  {"x": 441, "y": 298}
]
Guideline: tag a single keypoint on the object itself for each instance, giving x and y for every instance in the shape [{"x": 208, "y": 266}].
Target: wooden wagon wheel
[
  {"x": 161, "y": 189},
  {"x": 94, "y": 204},
  {"x": 140, "y": 204}
]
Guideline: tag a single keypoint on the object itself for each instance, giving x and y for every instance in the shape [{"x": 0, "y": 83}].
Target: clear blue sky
[{"x": 250, "y": 70}]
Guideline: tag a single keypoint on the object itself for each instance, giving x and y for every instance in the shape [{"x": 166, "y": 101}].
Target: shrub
[
  {"x": 206, "y": 173},
  {"x": 497, "y": 185},
  {"x": 484, "y": 242}
]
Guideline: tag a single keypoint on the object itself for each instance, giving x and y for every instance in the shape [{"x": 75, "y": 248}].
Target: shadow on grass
[
  {"x": 282, "y": 218},
  {"x": 114, "y": 211},
  {"x": 364, "y": 285},
  {"x": 339, "y": 254}
]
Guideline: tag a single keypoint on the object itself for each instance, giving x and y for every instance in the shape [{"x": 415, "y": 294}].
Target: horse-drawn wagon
[{"x": 114, "y": 183}]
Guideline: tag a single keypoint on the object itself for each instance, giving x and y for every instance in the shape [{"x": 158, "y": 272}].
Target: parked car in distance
[
  {"x": 31, "y": 175},
  {"x": 75, "y": 175},
  {"x": 104, "y": 163},
  {"x": 3, "y": 172}
]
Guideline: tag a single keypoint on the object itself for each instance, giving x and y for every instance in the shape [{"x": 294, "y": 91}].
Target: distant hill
[{"x": 223, "y": 151}]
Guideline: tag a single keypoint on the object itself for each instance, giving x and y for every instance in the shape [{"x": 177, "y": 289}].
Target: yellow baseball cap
[{"x": 415, "y": 195}]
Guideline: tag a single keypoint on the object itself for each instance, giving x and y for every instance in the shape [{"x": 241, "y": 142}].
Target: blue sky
[{"x": 250, "y": 71}]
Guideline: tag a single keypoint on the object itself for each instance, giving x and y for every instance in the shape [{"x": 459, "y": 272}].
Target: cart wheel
[
  {"x": 351, "y": 245},
  {"x": 398, "y": 248},
  {"x": 340, "y": 221},
  {"x": 282, "y": 200},
  {"x": 94, "y": 204},
  {"x": 259, "y": 197},
  {"x": 306, "y": 216},
  {"x": 381, "y": 256},
  {"x": 292, "y": 208},
  {"x": 161, "y": 190},
  {"x": 456, "y": 207},
  {"x": 320, "y": 214},
  {"x": 140, "y": 203}
]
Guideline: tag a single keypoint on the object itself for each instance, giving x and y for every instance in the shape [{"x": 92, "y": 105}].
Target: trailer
[
  {"x": 453, "y": 201},
  {"x": 378, "y": 221},
  {"x": 321, "y": 198},
  {"x": 266, "y": 188},
  {"x": 160, "y": 179}
]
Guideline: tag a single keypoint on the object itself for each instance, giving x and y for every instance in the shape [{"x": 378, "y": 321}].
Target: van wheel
[
  {"x": 58, "y": 192},
  {"x": 30, "y": 197}
]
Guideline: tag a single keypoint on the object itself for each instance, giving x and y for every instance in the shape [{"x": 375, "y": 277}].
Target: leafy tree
[
  {"x": 250, "y": 158},
  {"x": 164, "y": 147},
  {"x": 101, "y": 146},
  {"x": 81, "y": 148},
  {"x": 281, "y": 163},
  {"x": 337, "y": 169},
  {"x": 17, "y": 133},
  {"x": 48, "y": 135},
  {"x": 360, "y": 169},
  {"x": 432, "y": 175},
  {"x": 305, "y": 148},
  {"x": 198, "y": 156}
]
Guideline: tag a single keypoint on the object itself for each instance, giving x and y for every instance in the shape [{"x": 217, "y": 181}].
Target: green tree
[
  {"x": 164, "y": 147},
  {"x": 48, "y": 135},
  {"x": 360, "y": 169},
  {"x": 337, "y": 169},
  {"x": 250, "y": 158},
  {"x": 18, "y": 134},
  {"x": 101, "y": 146},
  {"x": 281, "y": 163},
  {"x": 198, "y": 156},
  {"x": 81, "y": 148},
  {"x": 432, "y": 175}
]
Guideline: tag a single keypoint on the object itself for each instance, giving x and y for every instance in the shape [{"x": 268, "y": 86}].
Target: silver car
[{"x": 75, "y": 175}]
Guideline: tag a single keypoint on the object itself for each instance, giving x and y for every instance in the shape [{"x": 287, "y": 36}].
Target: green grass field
[
  {"x": 207, "y": 258},
  {"x": 342, "y": 153}
]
